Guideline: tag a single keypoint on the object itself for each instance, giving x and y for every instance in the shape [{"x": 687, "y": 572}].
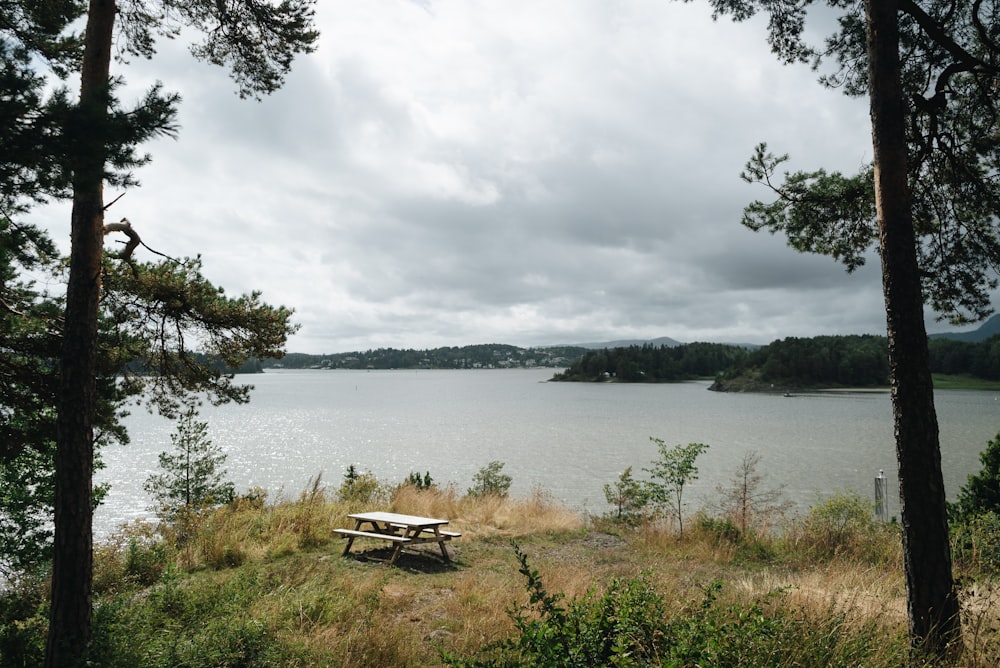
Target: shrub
[
  {"x": 360, "y": 488},
  {"x": 747, "y": 503},
  {"x": 24, "y": 621},
  {"x": 631, "y": 624},
  {"x": 145, "y": 560},
  {"x": 489, "y": 481},
  {"x": 844, "y": 525},
  {"x": 975, "y": 543},
  {"x": 415, "y": 480},
  {"x": 671, "y": 473},
  {"x": 720, "y": 530},
  {"x": 193, "y": 476},
  {"x": 981, "y": 492},
  {"x": 619, "y": 627},
  {"x": 628, "y": 497}
]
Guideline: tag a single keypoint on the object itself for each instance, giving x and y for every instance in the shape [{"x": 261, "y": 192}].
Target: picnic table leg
[
  {"x": 350, "y": 539},
  {"x": 444, "y": 551},
  {"x": 398, "y": 547}
]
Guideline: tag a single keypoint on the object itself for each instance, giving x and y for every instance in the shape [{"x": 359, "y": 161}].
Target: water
[{"x": 567, "y": 438}]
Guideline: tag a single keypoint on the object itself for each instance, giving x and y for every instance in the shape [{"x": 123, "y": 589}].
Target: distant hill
[
  {"x": 989, "y": 328},
  {"x": 625, "y": 343}
]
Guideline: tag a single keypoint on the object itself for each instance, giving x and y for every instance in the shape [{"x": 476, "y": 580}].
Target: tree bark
[
  {"x": 70, "y": 618},
  {"x": 932, "y": 603}
]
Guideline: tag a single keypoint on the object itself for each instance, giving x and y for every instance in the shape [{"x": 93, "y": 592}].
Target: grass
[
  {"x": 263, "y": 584},
  {"x": 963, "y": 382}
]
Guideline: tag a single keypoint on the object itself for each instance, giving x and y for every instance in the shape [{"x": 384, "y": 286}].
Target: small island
[{"x": 788, "y": 365}]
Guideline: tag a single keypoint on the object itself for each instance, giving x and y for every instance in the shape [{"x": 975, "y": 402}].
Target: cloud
[{"x": 464, "y": 171}]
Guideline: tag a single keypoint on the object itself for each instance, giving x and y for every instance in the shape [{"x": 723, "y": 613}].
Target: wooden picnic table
[{"x": 398, "y": 529}]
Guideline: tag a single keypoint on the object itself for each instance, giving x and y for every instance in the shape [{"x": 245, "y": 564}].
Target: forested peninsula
[{"x": 790, "y": 364}]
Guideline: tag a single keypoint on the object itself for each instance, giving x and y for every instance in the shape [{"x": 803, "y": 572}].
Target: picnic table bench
[{"x": 399, "y": 530}]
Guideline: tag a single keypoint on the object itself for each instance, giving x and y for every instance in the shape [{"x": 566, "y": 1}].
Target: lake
[{"x": 567, "y": 438}]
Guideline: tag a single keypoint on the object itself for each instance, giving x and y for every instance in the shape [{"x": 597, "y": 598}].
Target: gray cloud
[{"x": 464, "y": 171}]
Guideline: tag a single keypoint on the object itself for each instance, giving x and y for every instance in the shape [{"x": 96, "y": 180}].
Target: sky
[{"x": 528, "y": 172}]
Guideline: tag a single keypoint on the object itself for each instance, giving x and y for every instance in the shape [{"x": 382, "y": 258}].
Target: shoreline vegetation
[
  {"x": 788, "y": 366},
  {"x": 260, "y": 582}
]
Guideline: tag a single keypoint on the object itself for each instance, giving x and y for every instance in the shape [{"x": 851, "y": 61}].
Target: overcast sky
[{"x": 528, "y": 172}]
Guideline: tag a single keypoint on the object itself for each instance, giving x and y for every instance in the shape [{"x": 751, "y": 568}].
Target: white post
[{"x": 881, "y": 502}]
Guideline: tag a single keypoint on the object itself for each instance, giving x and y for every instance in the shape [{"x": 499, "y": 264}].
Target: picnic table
[{"x": 399, "y": 530}]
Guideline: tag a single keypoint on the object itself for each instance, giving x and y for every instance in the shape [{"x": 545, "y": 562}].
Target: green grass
[{"x": 530, "y": 583}]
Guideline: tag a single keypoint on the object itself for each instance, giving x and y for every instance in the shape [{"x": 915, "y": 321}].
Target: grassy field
[{"x": 264, "y": 584}]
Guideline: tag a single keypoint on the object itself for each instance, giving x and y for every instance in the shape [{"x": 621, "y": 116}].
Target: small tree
[
  {"x": 489, "y": 481},
  {"x": 414, "y": 479},
  {"x": 675, "y": 468},
  {"x": 628, "y": 496},
  {"x": 359, "y": 487},
  {"x": 193, "y": 476},
  {"x": 981, "y": 493},
  {"x": 746, "y": 500}
]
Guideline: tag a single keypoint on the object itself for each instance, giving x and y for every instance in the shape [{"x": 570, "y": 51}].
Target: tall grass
[{"x": 259, "y": 583}]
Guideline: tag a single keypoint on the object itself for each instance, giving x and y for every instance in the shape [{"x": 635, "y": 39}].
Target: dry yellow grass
[{"x": 360, "y": 612}]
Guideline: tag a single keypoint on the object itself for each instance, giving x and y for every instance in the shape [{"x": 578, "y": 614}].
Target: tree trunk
[
  {"x": 70, "y": 617},
  {"x": 932, "y": 603}
]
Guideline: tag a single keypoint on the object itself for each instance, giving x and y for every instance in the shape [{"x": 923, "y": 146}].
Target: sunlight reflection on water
[{"x": 567, "y": 438}]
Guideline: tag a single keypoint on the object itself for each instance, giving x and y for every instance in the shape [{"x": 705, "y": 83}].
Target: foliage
[
  {"x": 156, "y": 309},
  {"x": 842, "y": 524},
  {"x": 619, "y": 627},
  {"x": 975, "y": 515},
  {"x": 218, "y": 627},
  {"x": 746, "y": 502},
  {"x": 287, "y": 604},
  {"x": 23, "y": 622},
  {"x": 29, "y": 343},
  {"x": 150, "y": 312},
  {"x": 420, "y": 482},
  {"x": 981, "y": 493},
  {"x": 975, "y": 542},
  {"x": 192, "y": 477},
  {"x": 671, "y": 473},
  {"x": 483, "y": 356},
  {"x": 822, "y": 361},
  {"x": 948, "y": 70},
  {"x": 648, "y": 363},
  {"x": 489, "y": 481},
  {"x": 73, "y": 153},
  {"x": 631, "y": 624},
  {"x": 360, "y": 488},
  {"x": 628, "y": 497},
  {"x": 979, "y": 359}
]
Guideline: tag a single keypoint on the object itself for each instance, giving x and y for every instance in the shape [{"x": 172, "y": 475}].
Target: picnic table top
[{"x": 397, "y": 518}]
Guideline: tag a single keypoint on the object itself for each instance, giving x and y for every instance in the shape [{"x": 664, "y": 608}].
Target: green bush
[
  {"x": 975, "y": 543},
  {"x": 24, "y": 622},
  {"x": 620, "y": 627},
  {"x": 832, "y": 526},
  {"x": 720, "y": 530},
  {"x": 418, "y": 481},
  {"x": 359, "y": 488},
  {"x": 671, "y": 473},
  {"x": 489, "y": 481},
  {"x": 630, "y": 624},
  {"x": 628, "y": 498},
  {"x": 179, "y": 625},
  {"x": 981, "y": 492},
  {"x": 145, "y": 560}
]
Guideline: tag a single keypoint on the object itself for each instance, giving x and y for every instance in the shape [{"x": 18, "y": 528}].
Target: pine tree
[{"x": 192, "y": 477}]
